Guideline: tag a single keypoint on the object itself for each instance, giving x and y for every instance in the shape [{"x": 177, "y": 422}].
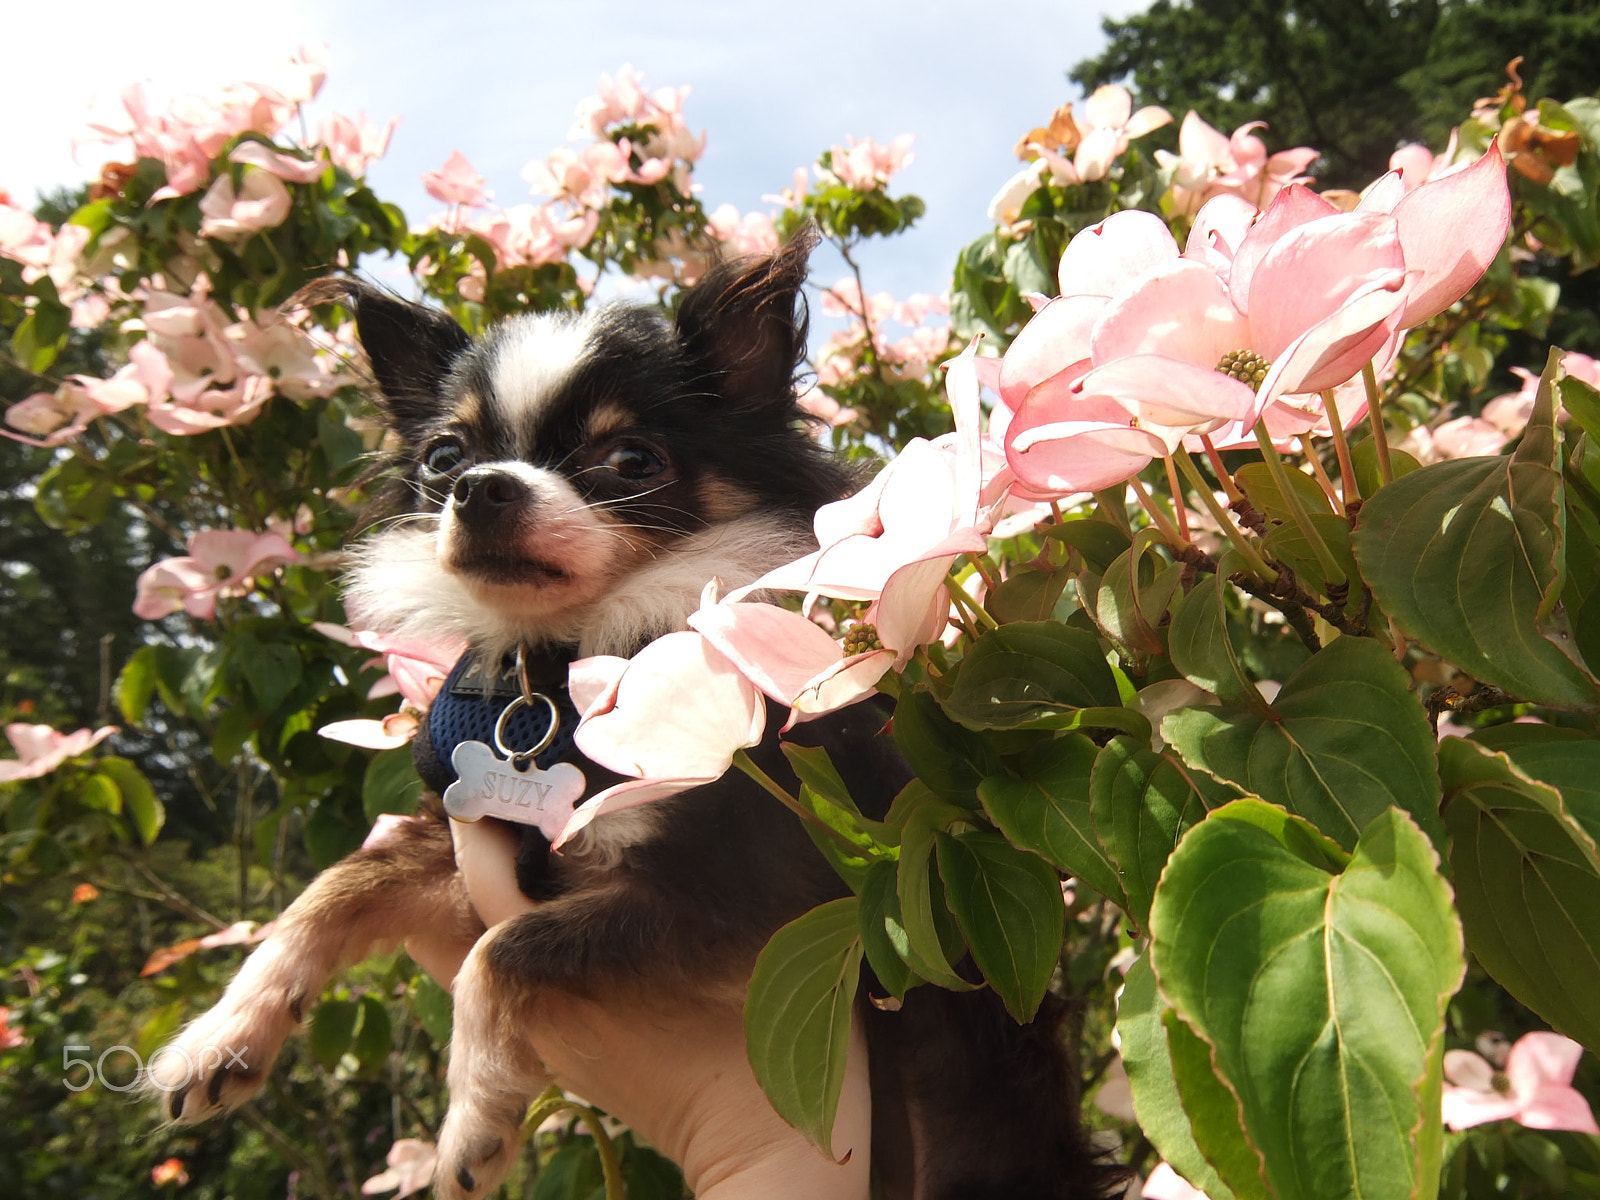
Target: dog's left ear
[{"x": 745, "y": 323}]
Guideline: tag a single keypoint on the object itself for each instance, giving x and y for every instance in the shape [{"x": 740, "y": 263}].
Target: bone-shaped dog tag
[{"x": 489, "y": 786}]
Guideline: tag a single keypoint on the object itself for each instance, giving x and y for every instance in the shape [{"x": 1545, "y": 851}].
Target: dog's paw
[
  {"x": 476, "y": 1149},
  {"x": 221, "y": 1059}
]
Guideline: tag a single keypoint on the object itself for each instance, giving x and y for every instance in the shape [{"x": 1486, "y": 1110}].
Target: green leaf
[
  {"x": 883, "y": 932},
  {"x": 797, "y": 1017},
  {"x": 333, "y": 1024},
  {"x": 1008, "y": 904},
  {"x": 1133, "y": 596},
  {"x": 1099, "y": 542},
  {"x": 1582, "y": 402},
  {"x": 434, "y": 1008},
  {"x": 574, "y": 1172},
  {"x": 235, "y": 724},
  {"x": 1346, "y": 740},
  {"x": 1290, "y": 546},
  {"x": 1468, "y": 558},
  {"x": 391, "y": 784},
  {"x": 1199, "y": 646},
  {"x": 1214, "y": 1111},
  {"x": 100, "y": 793},
  {"x": 856, "y": 842},
  {"x": 136, "y": 684},
  {"x": 1027, "y": 671},
  {"x": 1026, "y": 596},
  {"x": 1524, "y": 830},
  {"x": 139, "y": 799},
  {"x": 1045, "y": 807},
  {"x": 1321, "y": 995},
  {"x": 1142, "y": 1040},
  {"x": 273, "y": 671},
  {"x": 933, "y": 941},
  {"x": 1369, "y": 476},
  {"x": 374, "y": 1037},
  {"x": 950, "y": 760},
  {"x": 1257, "y": 481},
  {"x": 1142, "y": 803}
]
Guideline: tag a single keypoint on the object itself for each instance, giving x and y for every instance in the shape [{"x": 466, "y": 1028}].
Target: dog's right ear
[{"x": 411, "y": 347}]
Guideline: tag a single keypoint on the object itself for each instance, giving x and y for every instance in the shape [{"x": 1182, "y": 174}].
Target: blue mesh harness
[{"x": 472, "y": 700}]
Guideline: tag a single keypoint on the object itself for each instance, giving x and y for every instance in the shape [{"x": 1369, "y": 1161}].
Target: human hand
[{"x": 676, "y": 1074}]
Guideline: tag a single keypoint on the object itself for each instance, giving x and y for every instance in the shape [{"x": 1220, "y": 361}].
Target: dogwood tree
[{"x": 1240, "y": 635}]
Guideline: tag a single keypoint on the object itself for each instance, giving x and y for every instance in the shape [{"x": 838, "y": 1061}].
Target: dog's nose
[{"x": 484, "y": 493}]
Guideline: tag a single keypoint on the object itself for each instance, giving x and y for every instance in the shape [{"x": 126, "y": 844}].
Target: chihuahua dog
[{"x": 569, "y": 484}]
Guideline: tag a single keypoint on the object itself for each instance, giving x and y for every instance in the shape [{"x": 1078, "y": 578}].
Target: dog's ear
[
  {"x": 410, "y": 346},
  {"x": 745, "y": 323}
]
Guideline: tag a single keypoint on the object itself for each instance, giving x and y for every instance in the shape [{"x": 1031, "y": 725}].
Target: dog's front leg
[{"x": 380, "y": 894}]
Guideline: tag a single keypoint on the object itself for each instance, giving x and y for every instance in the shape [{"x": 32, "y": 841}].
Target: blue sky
[{"x": 773, "y": 85}]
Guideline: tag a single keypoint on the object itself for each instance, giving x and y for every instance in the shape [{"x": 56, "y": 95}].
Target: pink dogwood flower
[
  {"x": 415, "y": 671},
  {"x": 750, "y": 234},
  {"x": 261, "y": 202},
  {"x": 868, "y": 164},
  {"x": 285, "y": 166},
  {"x": 1109, "y": 124},
  {"x": 354, "y": 143},
  {"x": 924, "y": 504},
  {"x": 411, "y": 1162},
  {"x": 1166, "y": 1184},
  {"x": 672, "y": 717},
  {"x": 457, "y": 182},
  {"x": 1535, "y": 1089},
  {"x": 1209, "y": 164},
  {"x": 220, "y": 562},
  {"x": 41, "y": 749}
]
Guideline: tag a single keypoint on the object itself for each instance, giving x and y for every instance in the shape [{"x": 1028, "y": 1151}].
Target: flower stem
[
  {"x": 1157, "y": 517},
  {"x": 1331, "y": 571},
  {"x": 969, "y": 607},
  {"x": 1375, "y": 417},
  {"x": 1223, "y": 517},
  {"x": 1347, "y": 470},
  {"x": 1178, "y": 506},
  {"x": 1317, "y": 469},
  {"x": 1223, "y": 477},
  {"x": 748, "y": 765}
]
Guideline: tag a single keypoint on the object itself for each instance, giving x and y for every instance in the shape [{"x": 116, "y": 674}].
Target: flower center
[
  {"x": 1248, "y": 367},
  {"x": 861, "y": 639},
  {"x": 223, "y": 571},
  {"x": 1501, "y": 1083}
]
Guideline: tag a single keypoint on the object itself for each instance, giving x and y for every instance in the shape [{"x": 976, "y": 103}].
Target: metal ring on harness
[{"x": 520, "y": 758}]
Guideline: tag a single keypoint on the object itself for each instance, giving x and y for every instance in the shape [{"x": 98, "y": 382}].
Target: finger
[
  {"x": 682, "y": 1078},
  {"x": 486, "y": 853}
]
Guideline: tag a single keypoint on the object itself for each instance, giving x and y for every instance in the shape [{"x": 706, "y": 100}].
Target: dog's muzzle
[{"x": 485, "y": 495}]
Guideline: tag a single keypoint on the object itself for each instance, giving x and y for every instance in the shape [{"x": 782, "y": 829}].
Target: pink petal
[
  {"x": 1108, "y": 106},
  {"x": 1466, "y": 1107},
  {"x": 592, "y": 682},
  {"x": 1467, "y": 1069},
  {"x": 777, "y": 650},
  {"x": 1556, "y": 1106},
  {"x": 1056, "y": 339},
  {"x": 1313, "y": 270},
  {"x": 1291, "y": 208},
  {"x": 1335, "y": 347},
  {"x": 628, "y": 794},
  {"x": 915, "y": 607},
  {"x": 681, "y": 710},
  {"x": 1451, "y": 229},
  {"x": 1157, "y": 389},
  {"x": 1076, "y": 443},
  {"x": 284, "y": 166},
  {"x": 1179, "y": 310},
  {"x": 1383, "y": 195},
  {"x": 372, "y": 735},
  {"x": 1539, "y": 1058},
  {"x": 1166, "y": 1184},
  {"x": 1100, "y": 259},
  {"x": 1219, "y": 229},
  {"x": 842, "y": 684}
]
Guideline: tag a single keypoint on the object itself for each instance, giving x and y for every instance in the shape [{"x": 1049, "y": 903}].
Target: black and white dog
[{"x": 573, "y": 482}]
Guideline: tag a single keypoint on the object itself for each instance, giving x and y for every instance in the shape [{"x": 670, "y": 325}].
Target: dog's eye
[
  {"x": 443, "y": 458},
  {"x": 634, "y": 462}
]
